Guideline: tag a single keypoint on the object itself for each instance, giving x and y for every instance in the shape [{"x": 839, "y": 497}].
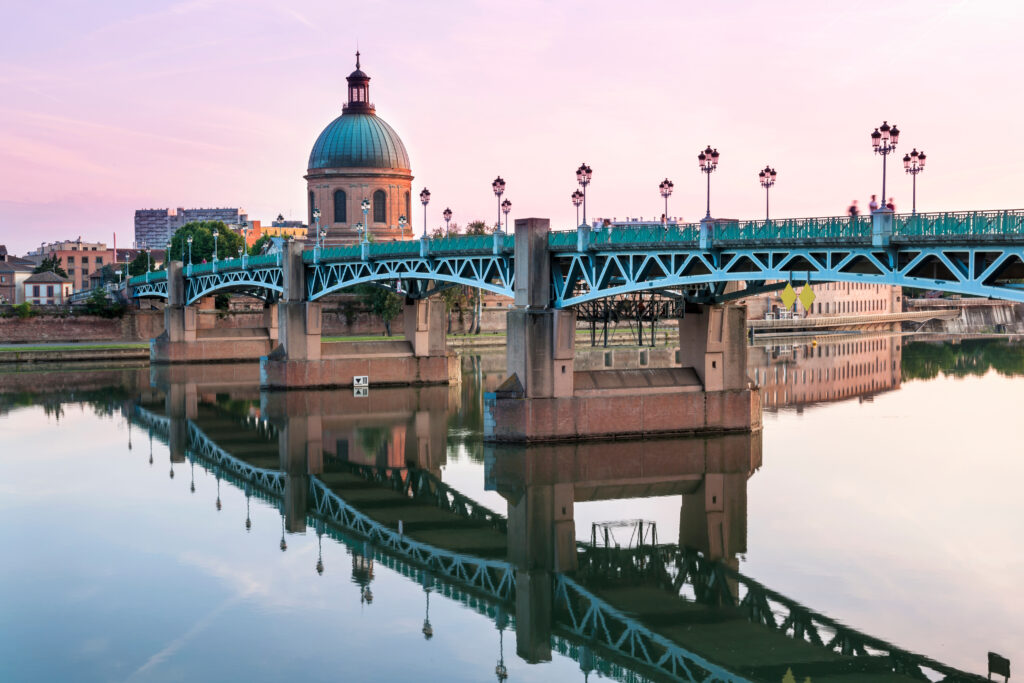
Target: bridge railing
[
  {"x": 154, "y": 276},
  {"x": 959, "y": 224},
  {"x": 828, "y": 227}
]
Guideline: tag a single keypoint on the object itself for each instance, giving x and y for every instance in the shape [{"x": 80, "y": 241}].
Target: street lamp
[
  {"x": 402, "y": 222},
  {"x": 361, "y": 232},
  {"x": 365, "y": 206},
  {"x": 708, "y": 162},
  {"x": 583, "y": 175},
  {"x": 316, "y": 217},
  {"x": 149, "y": 266},
  {"x": 447, "y": 217},
  {"x": 499, "y": 189},
  {"x": 913, "y": 163},
  {"x": 577, "y": 199},
  {"x": 189, "y": 240},
  {"x": 666, "y": 186},
  {"x": 215, "y": 234},
  {"x": 884, "y": 140},
  {"x": 506, "y": 206},
  {"x": 767, "y": 178},
  {"x": 424, "y": 200}
]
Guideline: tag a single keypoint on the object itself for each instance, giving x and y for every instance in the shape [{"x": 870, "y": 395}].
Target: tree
[
  {"x": 201, "y": 232},
  {"x": 51, "y": 264},
  {"x": 385, "y": 304},
  {"x": 257, "y": 247},
  {"x": 100, "y": 304},
  {"x": 479, "y": 228},
  {"x": 140, "y": 264}
]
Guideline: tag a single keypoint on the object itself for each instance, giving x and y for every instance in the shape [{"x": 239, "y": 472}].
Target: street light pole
[
  {"x": 506, "y": 206},
  {"x": 365, "y": 206},
  {"x": 316, "y": 218},
  {"x": 913, "y": 163},
  {"x": 666, "y": 187},
  {"x": 447, "y": 217},
  {"x": 708, "y": 162},
  {"x": 884, "y": 140},
  {"x": 189, "y": 240},
  {"x": 424, "y": 200},
  {"x": 577, "y": 199},
  {"x": 499, "y": 188},
  {"x": 767, "y": 178},
  {"x": 402, "y": 222},
  {"x": 583, "y": 175}
]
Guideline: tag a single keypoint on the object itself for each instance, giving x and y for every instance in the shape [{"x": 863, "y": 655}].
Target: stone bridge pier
[
  {"x": 183, "y": 342},
  {"x": 302, "y": 360},
  {"x": 545, "y": 399}
]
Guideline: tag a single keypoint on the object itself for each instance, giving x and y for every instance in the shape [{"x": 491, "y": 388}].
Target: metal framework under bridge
[
  {"x": 978, "y": 253},
  {"x": 586, "y": 628}
]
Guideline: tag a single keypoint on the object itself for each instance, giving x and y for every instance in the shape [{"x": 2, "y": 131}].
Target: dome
[{"x": 358, "y": 141}]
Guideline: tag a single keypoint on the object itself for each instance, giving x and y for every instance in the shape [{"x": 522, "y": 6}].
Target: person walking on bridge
[
  {"x": 874, "y": 204},
  {"x": 853, "y": 210}
]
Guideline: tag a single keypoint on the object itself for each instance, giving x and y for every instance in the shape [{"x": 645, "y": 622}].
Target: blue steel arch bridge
[
  {"x": 976, "y": 253},
  {"x": 586, "y": 627}
]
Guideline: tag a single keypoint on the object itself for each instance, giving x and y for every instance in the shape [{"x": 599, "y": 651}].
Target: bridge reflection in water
[{"x": 367, "y": 473}]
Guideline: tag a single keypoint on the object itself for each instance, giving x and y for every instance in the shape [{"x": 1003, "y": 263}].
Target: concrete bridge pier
[
  {"x": 181, "y": 403},
  {"x": 301, "y": 360},
  {"x": 545, "y": 399},
  {"x": 183, "y": 342},
  {"x": 300, "y": 447}
]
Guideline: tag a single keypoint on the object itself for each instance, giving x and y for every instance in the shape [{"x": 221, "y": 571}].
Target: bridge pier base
[
  {"x": 545, "y": 399},
  {"x": 182, "y": 341},
  {"x": 303, "y": 361}
]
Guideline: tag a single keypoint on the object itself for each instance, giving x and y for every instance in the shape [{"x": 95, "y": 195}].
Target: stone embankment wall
[{"x": 974, "y": 319}]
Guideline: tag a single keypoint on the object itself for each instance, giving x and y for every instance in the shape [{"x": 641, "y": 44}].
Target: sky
[{"x": 110, "y": 106}]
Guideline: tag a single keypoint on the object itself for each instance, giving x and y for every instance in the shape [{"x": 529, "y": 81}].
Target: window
[
  {"x": 49, "y": 290},
  {"x": 99, "y": 260},
  {"x": 71, "y": 260},
  {"x": 35, "y": 290},
  {"x": 340, "y": 207},
  {"x": 380, "y": 199}
]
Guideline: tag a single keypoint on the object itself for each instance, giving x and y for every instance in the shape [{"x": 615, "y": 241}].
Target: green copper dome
[{"x": 358, "y": 140}]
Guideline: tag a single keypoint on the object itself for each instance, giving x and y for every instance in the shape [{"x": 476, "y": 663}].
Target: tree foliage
[
  {"x": 201, "y": 232},
  {"x": 51, "y": 264},
  {"x": 140, "y": 264},
  {"x": 100, "y": 304}
]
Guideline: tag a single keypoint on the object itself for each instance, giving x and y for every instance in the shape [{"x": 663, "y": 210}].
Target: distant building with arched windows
[{"x": 358, "y": 156}]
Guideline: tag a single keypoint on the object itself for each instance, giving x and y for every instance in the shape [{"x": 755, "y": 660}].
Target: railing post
[
  {"x": 582, "y": 238},
  {"x": 881, "y": 228},
  {"x": 499, "y": 242},
  {"x": 707, "y": 233},
  {"x": 364, "y": 251},
  {"x": 424, "y": 247}
]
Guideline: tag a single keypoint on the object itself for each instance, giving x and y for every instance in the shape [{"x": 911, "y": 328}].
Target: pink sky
[{"x": 108, "y": 107}]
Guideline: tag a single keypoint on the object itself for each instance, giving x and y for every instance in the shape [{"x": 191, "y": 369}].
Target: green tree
[
  {"x": 139, "y": 264},
  {"x": 257, "y": 247},
  {"x": 201, "y": 232},
  {"x": 385, "y": 304},
  {"x": 100, "y": 304},
  {"x": 51, "y": 264},
  {"x": 479, "y": 228}
]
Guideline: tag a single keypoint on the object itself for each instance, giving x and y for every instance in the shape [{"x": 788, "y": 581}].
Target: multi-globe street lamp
[
  {"x": 767, "y": 178},
  {"x": 708, "y": 162},
  {"x": 424, "y": 200},
  {"x": 365, "y": 206},
  {"x": 316, "y": 218},
  {"x": 499, "y": 189},
  {"x": 913, "y": 163},
  {"x": 506, "y": 206},
  {"x": 583, "y": 176},
  {"x": 189, "y": 240},
  {"x": 884, "y": 140},
  {"x": 666, "y": 187},
  {"x": 447, "y": 217},
  {"x": 216, "y": 233},
  {"x": 577, "y": 199},
  {"x": 402, "y": 222},
  {"x": 149, "y": 265}
]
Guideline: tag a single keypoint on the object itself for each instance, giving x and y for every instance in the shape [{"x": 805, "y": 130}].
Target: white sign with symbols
[{"x": 361, "y": 381}]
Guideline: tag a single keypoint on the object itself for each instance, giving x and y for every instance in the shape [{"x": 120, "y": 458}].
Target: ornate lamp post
[
  {"x": 149, "y": 266},
  {"x": 319, "y": 233},
  {"x": 767, "y": 178},
  {"x": 506, "y": 206},
  {"x": 424, "y": 200},
  {"x": 577, "y": 199},
  {"x": 319, "y": 549},
  {"x": 402, "y": 222},
  {"x": 913, "y": 163},
  {"x": 666, "y": 187},
  {"x": 447, "y": 217},
  {"x": 365, "y": 206},
  {"x": 360, "y": 230},
  {"x": 583, "y": 176},
  {"x": 884, "y": 140},
  {"x": 708, "y": 162},
  {"x": 240, "y": 256},
  {"x": 189, "y": 240},
  {"x": 499, "y": 189},
  {"x": 216, "y": 233}
]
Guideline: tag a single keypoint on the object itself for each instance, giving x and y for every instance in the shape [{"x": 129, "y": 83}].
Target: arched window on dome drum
[
  {"x": 340, "y": 207},
  {"x": 380, "y": 214},
  {"x": 312, "y": 205}
]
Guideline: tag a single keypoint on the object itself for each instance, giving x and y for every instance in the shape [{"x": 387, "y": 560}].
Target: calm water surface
[{"x": 882, "y": 493}]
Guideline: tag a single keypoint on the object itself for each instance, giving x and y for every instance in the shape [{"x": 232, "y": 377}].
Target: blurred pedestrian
[
  {"x": 891, "y": 205},
  {"x": 853, "y": 210},
  {"x": 874, "y": 204}
]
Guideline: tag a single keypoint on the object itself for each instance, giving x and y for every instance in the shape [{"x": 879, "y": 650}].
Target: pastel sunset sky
[{"x": 110, "y": 106}]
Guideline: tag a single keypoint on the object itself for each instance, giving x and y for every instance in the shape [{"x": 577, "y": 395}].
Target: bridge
[
  {"x": 662, "y": 612},
  {"x": 549, "y": 273}
]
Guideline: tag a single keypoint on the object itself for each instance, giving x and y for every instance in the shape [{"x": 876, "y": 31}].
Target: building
[
  {"x": 46, "y": 289},
  {"x": 831, "y": 299},
  {"x": 359, "y": 157},
  {"x": 154, "y": 227},
  {"x": 295, "y": 230},
  {"x": 81, "y": 259},
  {"x": 13, "y": 273}
]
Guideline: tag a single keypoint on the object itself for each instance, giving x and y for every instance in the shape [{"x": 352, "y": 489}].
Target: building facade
[
  {"x": 154, "y": 227},
  {"x": 831, "y": 299},
  {"x": 295, "y": 230},
  {"x": 13, "y": 273},
  {"x": 358, "y": 157},
  {"x": 46, "y": 289}
]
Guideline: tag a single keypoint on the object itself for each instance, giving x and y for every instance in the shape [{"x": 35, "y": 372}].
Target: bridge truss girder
[
  {"x": 157, "y": 290},
  {"x": 493, "y": 273},
  {"x": 262, "y": 283},
  {"x": 983, "y": 271}
]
